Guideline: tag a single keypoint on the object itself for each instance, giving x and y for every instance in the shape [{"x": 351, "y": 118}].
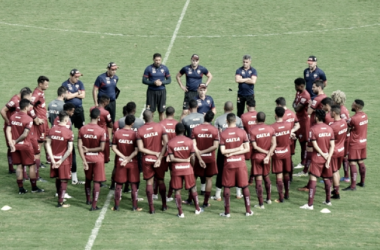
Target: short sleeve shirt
[
  {"x": 282, "y": 132},
  {"x": 104, "y": 118},
  {"x": 310, "y": 77},
  {"x": 221, "y": 122},
  {"x": 358, "y": 135},
  {"x": 153, "y": 73},
  {"x": 249, "y": 120},
  {"x": 38, "y": 102},
  {"x": 340, "y": 131},
  {"x": 169, "y": 125},
  {"x": 244, "y": 88},
  {"x": 233, "y": 138},
  {"x": 193, "y": 76},
  {"x": 151, "y": 135},
  {"x": 322, "y": 134},
  {"x": 302, "y": 98},
  {"x": 138, "y": 123},
  {"x": 191, "y": 121},
  {"x": 56, "y": 122},
  {"x": 262, "y": 134},
  {"x": 181, "y": 147},
  {"x": 316, "y": 104},
  {"x": 92, "y": 135},
  {"x": 106, "y": 85},
  {"x": 125, "y": 141},
  {"x": 54, "y": 108},
  {"x": 205, "y": 135},
  {"x": 205, "y": 105},
  {"x": 12, "y": 105},
  {"x": 18, "y": 122},
  {"x": 73, "y": 88},
  {"x": 60, "y": 136}
]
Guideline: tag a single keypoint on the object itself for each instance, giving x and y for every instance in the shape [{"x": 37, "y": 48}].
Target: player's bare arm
[
  {"x": 130, "y": 157},
  {"x": 163, "y": 150},
  {"x": 258, "y": 149},
  {"x": 231, "y": 150},
  {"x": 178, "y": 78},
  {"x": 251, "y": 80},
  {"x": 144, "y": 150},
  {"x": 242, "y": 151},
  {"x": 81, "y": 153},
  {"x": 198, "y": 154},
  {"x": 331, "y": 152},
  {"x": 209, "y": 78},
  {"x": 49, "y": 151},
  {"x": 94, "y": 150},
  {"x": 8, "y": 132},
  {"x": 240, "y": 79},
  {"x": 117, "y": 152},
  {"x": 299, "y": 107},
  {"x": 273, "y": 145},
  {"x": 210, "y": 149},
  {"x": 22, "y": 136},
  {"x": 65, "y": 155},
  {"x": 295, "y": 128},
  {"x": 319, "y": 151},
  {"x": 310, "y": 111},
  {"x": 81, "y": 94},
  {"x": 3, "y": 112},
  {"x": 174, "y": 159}
]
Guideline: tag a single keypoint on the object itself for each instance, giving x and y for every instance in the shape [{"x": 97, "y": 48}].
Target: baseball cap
[
  {"x": 195, "y": 56},
  {"x": 112, "y": 65},
  {"x": 202, "y": 85},
  {"x": 75, "y": 72},
  {"x": 312, "y": 59}
]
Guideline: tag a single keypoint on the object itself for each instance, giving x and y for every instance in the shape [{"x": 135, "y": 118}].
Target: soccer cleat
[
  {"x": 259, "y": 206},
  {"x": 279, "y": 201},
  {"x": 42, "y": 165},
  {"x": 76, "y": 182},
  {"x": 333, "y": 192},
  {"x": 249, "y": 214},
  {"x": 327, "y": 203},
  {"x": 225, "y": 215},
  {"x": 201, "y": 210},
  {"x": 63, "y": 205},
  {"x": 268, "y": 202},
  {"x": 94, "y": 208},
  {"x": 299, "y": 166},
  {"x": 181, "y": 215},
  {"x": 12, "y": 171},
  {"x": 140, "y": 199},
  {"x": 206, "y": 205},
  {"x": 335, "y": 196},
  {"x": 203, "y": 192},
  {"x": 22, "y": 191},
  {"x": 307, "y": 207},
  {"x": 169, "y": 199},
  {"x": 136, "y": 209},
  {"x": 152, "y": 212},
  {"x": 115, "y": 208},
  {"x": 239, "y": 196},
  {"x": 216, "y": 198},
  {"x": 67, "y": 196},
  {"x": 304, "y": 189},
  {"x": 349, "y": 189},
  {"x": 345, "y": 179},
  {"x": 300, "y": 174},
  {"x": 286, "y": 197},
  {"x": 164, "y": 208},
  {"x": 38, "y": 190},
  {"x": 155, "y": 196},
  {"x": 186, "y": 202},
  {"x": 41, "y": 180},
  {"x": 88, "y": 202},
  {"x": 360, "y": 184}
]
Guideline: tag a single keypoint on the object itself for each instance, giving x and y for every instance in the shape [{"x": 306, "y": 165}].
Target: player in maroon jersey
[
  {"x": 127, "y": 170},
  {"x": 6, "y": 112},
  {"x": 263, "y": 141},
  {"x": 234, "y": 144},
  {"x": 339, "y": 98},
  {"x": 152, "y": 140},
  {"x": 181, "y": 153},
  {"x": 18, "y": 136},
  {"x": 322, "y": 137},
  {"x": 326, "y": 106},
  {"x": 301, "y": 105},
  {"x": 340, "y": 133},
  {"x": 357, "y": 149},
  {"x": 59, "y": 146},
  {"x": 281, "y": 159},
  {"x": 91, "y": 143}
]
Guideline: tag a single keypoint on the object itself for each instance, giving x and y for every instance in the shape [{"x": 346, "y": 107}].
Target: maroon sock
[
  {"x": 247, "y": 200},
  {"x": 190, "y": 198},
  {"x": 207, "y": 197},
  {"x": 25, "y": 175},
  {"x": 149, "y": 195},
  {"x": 362, "y": 171},
  {"x": 259, "y": 191},
  {"x": 291, "y": 169},
  {"x": 10, "y": 164},
  {"x": 345, "y": 167},
  {"x": 118, "y": 194},
  {"x": 62, "y": 190},
  {"x": 155, "y": 186},
  {"x": 170, "y": 192},
  {"x": 95, "y": 194},
  {"x": 307, "y": 162},
  {"x": 312, "y": 188},
  {"x": 308, "y": 185},
  {"x": 328, "y": 189},
  {"x": 195, "y": 199},
  {"x": 178, "y": 202},
  {"x": 162, "y": 188},
  {"x": 226, "y": 195},
  {"x": 336, "y": 188},
  {"x": 303, "y": 153},
  {"x": 19, "y": 183},
  {"x": 354, "y": 173},
  {"x": 87, "y": 190},
  {"x": 33, "y": 182},
  {"x": 58, "y": 186},
  {"x": 267, "y": 186},
  {"x": 38, "y": 164},
  {"x": 280, "y": 186},
  {"x": 134, "y": 195},
  {"x": 286, "y": 184}
]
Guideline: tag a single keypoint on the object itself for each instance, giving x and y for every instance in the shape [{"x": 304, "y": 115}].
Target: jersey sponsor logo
[
  {"x": 54, "y": 112},
  {"x": 180, "y": 142},
  {"x": 162, "y": 71},
  {"x": 16, "y": 123},
  {"x": 231, "y": 133},
  {"x": 281, "y": 151},
  {"x": 243, "y": 72},
  {"x": 363, "y": 123},
  {"x": 363, "y": 140},
  {"x": 315, "y": 75},
  {"x": 283, "y": 133},
  {"x": 56, "y": 137},
  {"x": 198, "y": 71},
  {"x": 281, "y": 127},
  {"x": 150, "y": 135},
  {"x": 169, "y": 124},
  {"x": 77, "y": 86},
  {"x": 234, "y": 139},
  {"x": 303, "y": 100},
  {"x": 233, "y": 159},
  {"x": 343, "y": 131},
  {"x": 181, "y": 148},
  {"x": 170, "y": 131},
  {"x": 182, "y": 166},
  {"x": 33, "y": 98},
  {"x": 90, "y": 136},
  {"x": 204, "y": 129},
  {"x": 307, "y": 74},
  {"x": 125, "y": 141},
  {"x": 90, "y": 130},
  {"x": 207, "y": 154},
  {"x": 205, "y": 135},
  {"x": 340, "y": 149},
  {"x": 263, "y": 135},
  {"x": 190, "y": 72},
  {"x": 324, "y": 134},
  {"x": 126, "y": 135},
  {"x": 17, "y": 117},
  {"x": 92, "y": 153},
  {"x": 208, "y": 101},
  {"x": 250, "y": 72},
  {"x": 194, "y": 125},
  {"x": 150, "y": 160},
  {"x": 290, "y": 120},
  {"x": 149, "y": 128},
  {"x": 314, "y": 103},
  {"x": 57, "y": 131},
  {"x": 11, "y": 103}
]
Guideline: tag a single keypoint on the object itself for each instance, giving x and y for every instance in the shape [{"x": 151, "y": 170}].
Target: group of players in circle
[{"x": 191, "y": 148}]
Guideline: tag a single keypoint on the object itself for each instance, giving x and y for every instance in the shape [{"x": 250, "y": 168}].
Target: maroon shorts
[
  {"x": 149, "y": 171},
  {"x": 259, "y": 168},
  {"x": 23, "y": 155},
  {"x": 319, "y": 170},
  {"x": 210, "y": 170},
  {"x": 41, "y": 131},
  {"x": 281, "y": 165},
  {"x": 62, "y": 173},
  {"x": 177, "y": 181},
  {"x": 106, "y": 151},
  {"x": 357, "y": 154},
  {"x": 95, "y": 172},
  {"x": 235, "y": 177},
  {"x": 292, "y": 146},
  {"x": 129, "y": 173},
  {"x": 336, "y": 163},
  {"x": 302, "y": 132},
  {"x": 35, "y": 145}
]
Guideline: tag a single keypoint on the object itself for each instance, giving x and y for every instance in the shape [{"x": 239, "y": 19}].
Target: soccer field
[{"x": 50, "y": 38}]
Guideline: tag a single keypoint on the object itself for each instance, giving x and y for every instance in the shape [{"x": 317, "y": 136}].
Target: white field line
[{"x": 98, "y": 222}]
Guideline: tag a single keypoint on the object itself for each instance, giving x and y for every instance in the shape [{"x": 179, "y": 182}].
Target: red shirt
[
  {"x": 302, "y": 98},
  {"x": 151, "y": 135},
  {"x": 322, "y": 134},
  {"x": 340, "y": 134},
  {"x": 125, "y": 141},
  {"x": 12, "y": 105},
  {"x": 56, "y": 122},
  {"x": 92, "y": 135},
  {"x": 290, "y": 116},
  {"x": 233, "y": 138},
  {"x": 60, "y": 136},
  {"x": 169, "y": 125},
  {"x": 249, "y": 120},
  {"x": 358, "y": 135},
  {"x": 181, "y": 147},
  {"x": 104, "y": 118},
  {"x": 38, "y": 102},
  {"x": 18, "y": 122},
  {"x": 328, "y": 119},
  {"x": 261, "y": 134},
  {"x": 344, "y": 114},
  {"x": 282, "y": 132},
  {"x": 316, "y": 104},
  {"x": 205, "y": 135}
]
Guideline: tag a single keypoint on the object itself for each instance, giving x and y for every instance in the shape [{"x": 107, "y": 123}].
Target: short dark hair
[
  {"x": 228, "y": 106},
  {"x": 130, "y": 107},
  {"x": 260, "y": 117},
  {"x": 279, "y": 111},
  {"x": 179, "y": 128},
  {"x": 335, "y": 109},
  {"x": 61, "y": 90},
  {"x": 319, "y": 83},
  {"x": 281, "y": 101},
  {"x": 26, "y": 89},
  {"x": 42, "y": 79},
  {"x": 320, "y": 114},
  {"x": 170, "y": 111},
  {"x": 193, "y": 104},
  {"x": 24, "y": 103},
  {"x": 359, "y": 103},
  {"x": 299, "y": 81},
  {"x": 95, "y": 113},
  {"x": 129, "y": 120},
  {"x": 104, "y": 98},
  {"x": 147, "y": 115},
  {"x": 251, "y": 103},
  {"x": 231, "y": 117},
  {"x": 62, "y": 114},
  {"x": 209, "y": 116},
  {"x": 24, "y": 93},
  {"x": 68, "y": 106},
  {"x": 328, "y": 101},
  {"x": 156, "y": 55}
]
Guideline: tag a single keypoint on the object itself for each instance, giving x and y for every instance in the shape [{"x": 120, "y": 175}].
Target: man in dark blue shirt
[
  {"x": 205, "y": 102},
  {"x": 312, "y": 74},
  {"x": 75, "y": 95},
  {"x": 194, "y": 74},
  {"x": 156, "y": 76},
  {"x": 105, "y": 84},
  {"x": 246, "y": 77}
]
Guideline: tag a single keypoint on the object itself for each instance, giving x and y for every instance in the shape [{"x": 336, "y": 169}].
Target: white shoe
[
  {"x": 181, "y": 215},
  {"x": 299, "y": 166},
  {"x": 327, "y": 203},
  {"x": 169, "y": 199},
  {"x": 258, "y": 206},
  {"x": 216, "y": 198},
  {"x": 67, "y": 196},
  {"x": 306, "y": 206},
  {"x": 249, "y": 214},
  {"x": 140, "y": 199},
  {"x": 268, "y": 202},
  {"x": 300, "y": 174},
  {"x": 199, "y": 211},
  {"x": 155, "y": 197},
  {"x": 225, "y": 215},
  {"x": 239, "y": 196}
]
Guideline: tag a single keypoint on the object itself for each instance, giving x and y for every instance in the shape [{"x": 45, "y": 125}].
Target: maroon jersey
[
  {"x": 181, "y": 147},
  {"x": 233, "y": 138},
  {"x": 328, "y": 119},
  {"x": 282, "y": 132},
  {"x": 290, "y": 116},
  {"x": 12, "y": 106},
  {"x": 205, "y": 135},
  {"x": 92, "y": 135},
  {"x": 169, "y": 125},
  {"x": 151, "y": 135},
  {"x": 340, "y": 134},
  {"x": 18, "y": 122},
  {"x": 60, "y": 136},
  {"x": 115, "y": 127},
  {"x": 358, "y": 135},
  {"x": 56, "y": 122},
  {"x": 125, "y": 140},
  {"x": 302, "y": 98},
  {"x": 249, "y": 120},
  {"x": 104, "y": 118},
  {"x": 38, "y": 102},
  {"x": 322, "y": 134},
  {"x": 344, "y": 114},
  {"x": 261, "y": 134},
  {"x": 316, "y": 104}
]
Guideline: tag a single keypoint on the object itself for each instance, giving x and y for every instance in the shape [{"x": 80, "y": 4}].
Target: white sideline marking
[{"x": 98, "y": 222}]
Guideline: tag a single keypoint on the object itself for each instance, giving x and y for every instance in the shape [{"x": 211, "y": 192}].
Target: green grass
[{"x": 344, "y": 35}]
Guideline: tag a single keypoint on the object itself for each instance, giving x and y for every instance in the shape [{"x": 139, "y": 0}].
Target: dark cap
[
  {"x": 312, "y": 59},
  {"x": 195, "y": 56},
  {"x": 202, "y": 85},
  {"x": 112, "y": 65},
  {"x": 74, "y": 72}
]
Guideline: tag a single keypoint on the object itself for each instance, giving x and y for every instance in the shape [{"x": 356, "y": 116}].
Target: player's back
[
  {"x": 283, "y": 133},
  {"x": 125, "y": 140},
  {"x": 262, "y": 134},
  {"x": 56, "y": 122},
  {"x": 316, "y": 104},
  {"x": 39, "y": 105},
  {"x": 359, "y": 127},
  {"x": 290, "y": 116},
  {"x": 20, "y": 121},
  {"x": 191, "y": 121},
  {"x": 302, "y": 98},
  {"x": 54, "y": 108},
  {"x": 169, "y": 125},
  {"x": 249, "y": 120},
  {"x": 340, "y": 134},
  {"x": 151, "y": 135},
  {"x": 60, "y": 136},
  {"x": 221, "y": 122},
  {"x": 92, "y": 135},
  {"x": 322, "y": 134},
  {"x": 12, "y": 106},
  {"x": 181, "y": 147},
  {"x": 233, "y": 138},
  {"x": 104, "y": 118}
]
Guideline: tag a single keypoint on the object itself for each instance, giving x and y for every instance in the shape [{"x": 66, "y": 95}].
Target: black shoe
[
  {"x": 206, "y": 205},
  {"x": 360, "y": 184},
  {"x": 136, "y": 209},
  {"x": 12, "y": 171},
  {"x": 152, "y": 212},
  {"x": 164, "y": 208},
  {"x": 63, "y": 205},
  {"x": 22, "y": 190},
  {"x": 335, "y": 196},
  {"x": 112, "y": 187},
  {"x": 286, "y": 197},
  {"x": 88, "y": 202},
  {"x": 349, "y": 189},
  {"x": 94, "y": 208},
  {"x": 203, "y": 192},
  {"x": 102, "y": 185},
  {"x": 42, "y": 165},
  {"x": 115, "y": 208},
  {"x": 38, "y": 190},
  {"x": 333, "y": 192}
]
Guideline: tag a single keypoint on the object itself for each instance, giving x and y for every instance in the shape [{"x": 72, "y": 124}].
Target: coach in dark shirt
[{"x": 312, "y": 74}]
